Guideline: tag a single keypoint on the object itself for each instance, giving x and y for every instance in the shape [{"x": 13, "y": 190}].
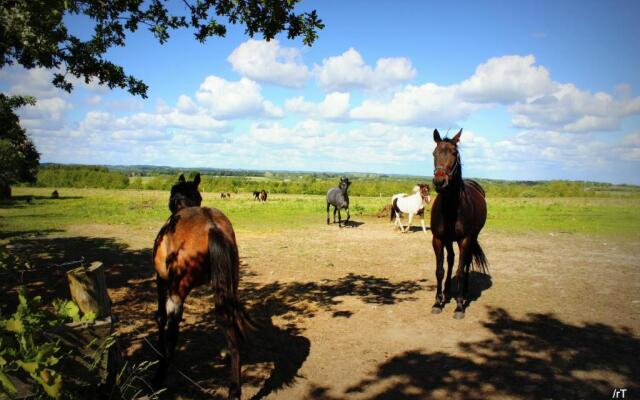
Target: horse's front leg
[
  {"x": 335, "y": 210},
  {"x": 439, "y": 252},
  {"x": 339, "y": 217},
  {"x": 451, "y": 256},
  {"x": 421, "y": 213},
  {"x": 464, "y": 258},
  {"x": 409, "y": 224},
  {"x": 348, "y": 216}
]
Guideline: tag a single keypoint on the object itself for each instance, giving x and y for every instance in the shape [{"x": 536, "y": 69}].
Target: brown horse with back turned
[
  {"x": 458, "y": 214},
  {"x": 195, "y": 246}
]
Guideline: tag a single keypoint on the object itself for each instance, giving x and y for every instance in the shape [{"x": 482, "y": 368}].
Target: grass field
[{"x": 33, "y": 209}]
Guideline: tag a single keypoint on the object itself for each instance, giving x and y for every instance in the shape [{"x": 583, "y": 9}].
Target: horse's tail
[
  {"x": 479, "y": 260},
  {"x": 394, "y": 208},
  {"x": 224, "y": 260}
]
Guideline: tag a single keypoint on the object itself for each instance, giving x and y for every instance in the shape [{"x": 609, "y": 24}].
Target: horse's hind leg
[
  {"x": 161, "y": 320},
  {"x": 399, "y": 222},
  {"x": 328, "y": 207},
  {"x": 225, "y": 317}
]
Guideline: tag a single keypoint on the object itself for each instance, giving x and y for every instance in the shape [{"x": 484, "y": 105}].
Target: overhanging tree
[
  {"x": 33, "y": 32},
  {"x": 18, "y": 156}
]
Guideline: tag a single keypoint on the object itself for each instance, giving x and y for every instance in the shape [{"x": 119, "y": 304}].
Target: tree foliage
[
  {"x": 19, "y": 158},
  {"x": 33, "y": 33}
]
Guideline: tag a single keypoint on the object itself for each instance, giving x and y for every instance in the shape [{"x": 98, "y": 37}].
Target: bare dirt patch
[{"x": 345, "y": 313}]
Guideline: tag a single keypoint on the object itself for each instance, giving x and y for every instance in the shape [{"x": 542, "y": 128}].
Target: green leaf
[
  {"x": 89, "y": 317},
  {"x": 30, "y": 367},
  {"x": 72, "y": 310},
  {"x": 51, "y": 382},
  {"x": 7, "y": 384},
  {"x": 14, "y": 325}
]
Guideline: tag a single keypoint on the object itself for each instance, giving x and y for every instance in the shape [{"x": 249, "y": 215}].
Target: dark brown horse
[
  {"x": 262, "y": 196},
  {"x": 457, "y": 215},
  {"x": 197, "y": 245}
]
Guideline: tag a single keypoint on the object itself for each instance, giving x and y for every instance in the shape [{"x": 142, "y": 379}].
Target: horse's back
[
  {"x": 470, "y": 183},
  {"x": 183, "y": 242}
]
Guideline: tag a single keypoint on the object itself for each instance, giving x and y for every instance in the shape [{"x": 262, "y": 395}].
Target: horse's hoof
[
  {"x": 458, "y": 315},
  {"x": 436, "y": 310}
]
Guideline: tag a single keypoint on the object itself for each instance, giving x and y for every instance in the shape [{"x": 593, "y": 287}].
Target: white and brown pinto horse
[{"x": 410, "y": 204}]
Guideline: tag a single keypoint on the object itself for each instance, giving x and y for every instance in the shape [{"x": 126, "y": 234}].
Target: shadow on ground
[
  {"x": 275, "y": 354},
  {"x": 535, "y": 357},
  {"x": 23, "y": 201},
  {"x": 271, "y": 360}
]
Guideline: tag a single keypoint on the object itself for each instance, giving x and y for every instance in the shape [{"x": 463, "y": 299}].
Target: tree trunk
[{"x": 5, "y": 190}]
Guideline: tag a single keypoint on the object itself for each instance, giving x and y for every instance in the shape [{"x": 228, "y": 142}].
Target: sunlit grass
[{"x": 148, "y": 209}]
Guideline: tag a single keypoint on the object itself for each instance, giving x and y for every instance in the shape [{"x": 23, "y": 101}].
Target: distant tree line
[
  {"x": 58, "y": 176},
  {"x": 81, "y": 177}
]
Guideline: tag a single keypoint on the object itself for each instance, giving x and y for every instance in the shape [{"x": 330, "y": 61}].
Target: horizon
[
  {"x": 302, "y": 172},
  {"x": 539, "y": 100}
]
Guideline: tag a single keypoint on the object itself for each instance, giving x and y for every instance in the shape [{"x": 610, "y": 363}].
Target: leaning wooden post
[{"x": 88, "y": 288}]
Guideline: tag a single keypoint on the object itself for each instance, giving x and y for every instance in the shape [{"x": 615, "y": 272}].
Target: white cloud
[
  {"x": 227, "y": 100},
  {"x": 535, "y": 101},
  {"x": 93, "y": 100},
  {"x": 186, "y": 105},
  {"x": 570, "y": 109},
  {"x": 269, "y": 62},
  {"x": 335, "y": 105},
  {"x": 349, "y": 71},
  {"x": 428, "y": 104},
  {"x": 505, "y": 80}
]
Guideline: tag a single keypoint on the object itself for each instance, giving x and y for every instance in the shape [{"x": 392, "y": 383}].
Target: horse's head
[
  {"x": 446, "y": 160},
  {"x": 185, "y": 194},
  {"x": 344, "y": 184},
  {"x": 424, "y": 192}
]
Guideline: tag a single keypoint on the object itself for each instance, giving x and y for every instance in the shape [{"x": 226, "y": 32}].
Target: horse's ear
[
  {"x": 196, "y": 180},
  {"x": 436, "y": 136},
  {"x": 181, "y": 178},
  {"x": 456, "y": 138}
]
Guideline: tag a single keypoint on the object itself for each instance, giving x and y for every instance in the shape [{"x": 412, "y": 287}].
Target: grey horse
[{"x": 338, "y": 198}]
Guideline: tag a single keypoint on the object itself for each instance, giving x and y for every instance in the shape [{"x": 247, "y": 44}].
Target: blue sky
[{"x": 543, "y": 90}]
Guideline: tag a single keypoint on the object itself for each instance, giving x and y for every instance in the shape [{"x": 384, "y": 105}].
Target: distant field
[{"x": 148, "y": 209}]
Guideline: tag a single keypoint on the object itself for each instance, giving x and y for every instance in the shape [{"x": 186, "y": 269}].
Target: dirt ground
[{"x": 345, "y": 313}]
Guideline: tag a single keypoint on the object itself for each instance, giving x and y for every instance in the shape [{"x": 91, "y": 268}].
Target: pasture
[{"x": 345, "y": 313}]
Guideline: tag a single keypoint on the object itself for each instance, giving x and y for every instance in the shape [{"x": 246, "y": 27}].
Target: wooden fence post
[{"x": 88, "y": 288}]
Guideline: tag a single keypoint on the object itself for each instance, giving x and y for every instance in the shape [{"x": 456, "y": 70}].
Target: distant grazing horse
[
  {"x": 197, "y": 245},
  {"x": 225, "y": 195},
  {"x": 256, "y": 195},
  {"x": 458, "y": 214},
  {"x": 262, "y": 196},
  {"x": 338, "y": 198},
  {"x": 410, "y": 204}
]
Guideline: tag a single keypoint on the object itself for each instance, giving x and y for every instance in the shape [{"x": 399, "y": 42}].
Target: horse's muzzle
[{"x": 440, "y": 182}]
